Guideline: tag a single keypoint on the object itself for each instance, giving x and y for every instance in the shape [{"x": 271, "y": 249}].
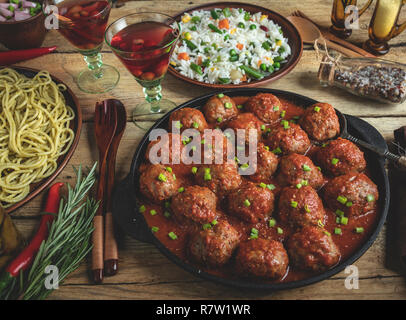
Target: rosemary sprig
[{"x": 69, "y": 239}]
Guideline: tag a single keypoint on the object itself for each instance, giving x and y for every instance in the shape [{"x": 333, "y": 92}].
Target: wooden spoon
[
  {"x": 310, "y": 33},
  {"x": 110, "y": 243},
  {"x": 105, "y": 124}
]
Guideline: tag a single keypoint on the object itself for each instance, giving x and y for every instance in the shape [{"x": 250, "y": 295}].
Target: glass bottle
[
  {"x": 383, "y": 26},
  {"x": 339, "y": 15},
  {"x": 377, "y": 79}
]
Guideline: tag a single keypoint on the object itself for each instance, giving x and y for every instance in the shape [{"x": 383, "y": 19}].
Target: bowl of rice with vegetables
[{"x": 226, "y": 45}]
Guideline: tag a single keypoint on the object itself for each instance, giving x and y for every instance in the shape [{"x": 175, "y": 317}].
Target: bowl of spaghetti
[{"x": 40, "y": 123}]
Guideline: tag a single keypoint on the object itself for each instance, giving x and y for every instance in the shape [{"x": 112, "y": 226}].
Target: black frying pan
[{"x": 134, "y": 224}]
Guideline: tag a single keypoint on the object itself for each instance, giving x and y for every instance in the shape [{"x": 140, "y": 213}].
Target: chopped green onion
[
  {"x": 359, "y": 229},
  {"x": 317, "y": 109},
  {"x": 220, "y": 95},
  {"x": 172, "y": 235},
  {"x": 337, "y": 231},
  {"x": 262, "y": 185},
  {"x": 340, "y": 213},
  {"x": 239, "y": 106},
  {"x": 270, "y": 186},
  {"x": 272, "y": 223},
  {"x": 153, "y": 212},
  {"x": 327, "y": 233},
  {"x": 348, "y": 204},
  {"x": 299, "y": 185},
  {"x": 293, "y": 204},
  {"x": 162, "y": 177},
  {"x": 283, "y": 113},
  {"x": 254, "y": 231},
  {"x": 266, "y": 148},
  {"x": 247, "y": 203},
  {"x": 370, "y": 198},
  {"x": 338, "y": 220},
  {"x": 304, "y": 183},
  {"x": 194, "y": 170},
  {"x": 344, "y": 220},
  {"x": 275, "y": 108},
  {"x": 195, "y": 125},
  {"x": 142, "y": 209},
  {"x": 320, "y": 223},
  {"x": 263, "y": 127},
  {"x": 228, "y": 105},
  {"x": 167, "y": 214},
  {"x": 277, "y": 150},
  {"x": 279, "y": 230},
  {"x": 169, "y": 169},
  {"x": 214, "y": 222},
  {"x": 206, "y": 226},
  {"x": 342, "y": 199},
  {"x": 219, "y": 119},
  {"x": 181, "y": 189},
  {"x": 334, "y": 161},
  {"x": 306, "y": 168},
  {"x": 154, "y": 229},
  {"x": 306, "y": 207},
  {"x": 207, "y": 176}
]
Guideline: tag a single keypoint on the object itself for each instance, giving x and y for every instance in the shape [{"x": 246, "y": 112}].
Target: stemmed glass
[
  {"x": 144, "y": 43},
  {"x": 82, "y": 23}
]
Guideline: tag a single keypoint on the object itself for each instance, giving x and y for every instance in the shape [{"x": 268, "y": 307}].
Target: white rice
[{"x": 252, "y": 54}]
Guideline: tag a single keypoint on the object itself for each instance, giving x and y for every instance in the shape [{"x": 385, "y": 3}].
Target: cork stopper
[{"x": 326, "y": 71}]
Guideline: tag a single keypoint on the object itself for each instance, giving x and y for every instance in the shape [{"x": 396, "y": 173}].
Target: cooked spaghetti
[{"x": 34, "y": 131}]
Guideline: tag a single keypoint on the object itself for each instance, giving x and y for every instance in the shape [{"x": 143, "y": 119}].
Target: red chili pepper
[
  {"x": 13, "y": 56},
  {"x": 26, "y": 257}
]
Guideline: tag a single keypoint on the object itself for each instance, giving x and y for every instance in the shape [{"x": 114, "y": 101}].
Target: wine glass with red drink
[
  {"x": 83, "y": 23},
  {"x": 144, "y": 43}
]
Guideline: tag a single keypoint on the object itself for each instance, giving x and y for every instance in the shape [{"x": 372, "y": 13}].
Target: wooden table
[{"x": 144, "y": 272}]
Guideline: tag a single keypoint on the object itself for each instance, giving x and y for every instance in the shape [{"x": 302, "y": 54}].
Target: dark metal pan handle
[{"x": 125, "y": 213}]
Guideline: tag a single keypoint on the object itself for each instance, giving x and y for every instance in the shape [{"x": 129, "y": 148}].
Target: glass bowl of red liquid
[
  {"x": 144, "y": 42},
  {"x": 83, "y": 23}
]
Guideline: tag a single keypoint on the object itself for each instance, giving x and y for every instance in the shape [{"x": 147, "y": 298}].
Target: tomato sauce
[{"x": 348, "y": 242}]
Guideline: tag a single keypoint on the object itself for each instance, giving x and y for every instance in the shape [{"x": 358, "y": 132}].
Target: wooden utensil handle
[
  {"x": 347, "y": 44},
  {"x": 110, "y": 247},
  {"x": 97, "y": 251},
  {"x": 339, "y": 48}
]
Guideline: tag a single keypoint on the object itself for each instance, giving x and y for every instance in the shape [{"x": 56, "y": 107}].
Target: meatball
[
  {"x": 250, "y": 202},
  {"x": 186, "y": 118},
  {"x": 289, "y": 138},
  {"x": 341, "y": 156},
  {"x": 320, "y": 122},
  {"x": 219, "y": 108},
  {"x": 246, "y": 121},
  {"x": 298, "y": 169},
  {"x": 265, "y": 106},
  {"x": 312, "y": 249},
  {"x": 172, "y": 147},
  {"x": 217, "y": 148},
  {"x": 267, "y": 163},
  {"x": 158, "y": 183},
  {"x": 195, "y": 203},
  {"x": 353, "y": 193},
  {"x": 262, "y": 258},
  {"x": 219, "y": 178},
  {"x": 214, "y": 246},
  {"x": 299, "y": 207}
]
